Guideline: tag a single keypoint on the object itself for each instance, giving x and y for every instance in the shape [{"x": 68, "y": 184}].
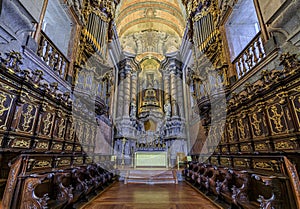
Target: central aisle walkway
[{"x": 143, "y": 196}]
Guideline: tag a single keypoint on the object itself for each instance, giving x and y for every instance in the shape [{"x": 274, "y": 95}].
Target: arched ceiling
[{"x": 150, "y": 26}]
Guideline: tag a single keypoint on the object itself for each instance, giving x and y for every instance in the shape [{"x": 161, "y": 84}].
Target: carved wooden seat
[
  {"x": 202, "y": 170},
  {"x": 40, "y": 191}
]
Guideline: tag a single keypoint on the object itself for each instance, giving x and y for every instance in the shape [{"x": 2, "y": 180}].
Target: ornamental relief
[
  {"x": 26, "y": 115},
  {"x": 150, "y": 41},
  {"x": 295, "y": 100},
  {"x": 6, "y": 102},
  {"x": 277, "y": 119}
]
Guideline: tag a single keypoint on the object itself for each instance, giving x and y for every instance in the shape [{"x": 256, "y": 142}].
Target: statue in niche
[
  {"x": 127, "y": 148},
  {"x": 132, "y": 109},
  {"x": 150, "y": 80},
  {"x": 167, "y": 109}
]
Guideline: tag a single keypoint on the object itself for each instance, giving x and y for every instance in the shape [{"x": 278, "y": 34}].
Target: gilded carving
[
  {"x": 77, "y": 148},
  {"x": 260, "y": 147},
  {"x": 285, "y": 145},
  {"x": 225, "y": 161},
  {"x": 230, "y": 132},
  {"x": 241, "y": 128},
  {"x": 255, "y": 122},
  {"x": 28, "y": 116},
  {"x": 2, "y": 106},
  {"x": 276, "y": 117},
  {"x": 64, "y": 162},
  {"x": 61, "y": 128},
  {"x": 57, "y": 146},
  {"x": 263, "y": 165},
  {"x": 21, "y": 143},
  {"x": 47, "y": 123},
  {"x": 240, "y": 163},
  {"x": 42, "y": 145},
  {"x": 42, "y": 164},
  {"x": 245, "y": 148},
  {"x": 69, "y": 147},
  {"x": 3, "y": 109}
]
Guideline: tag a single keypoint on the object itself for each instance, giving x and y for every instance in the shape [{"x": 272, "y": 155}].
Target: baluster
[
  {"x": 51, "y": 57},
  {"x": 260, "y": 49},
  {"x": 249, "y": 57},
  {"x": 254, "y": 52},
  {"x": 41, "y": 47},
  {"x": 244, "y": 64},
  {"x": 63, "y": 68},
  {"x": 240, "y": 69},
  {"x": 55, "y": 61},
  {"x": 46, "y": 55}
]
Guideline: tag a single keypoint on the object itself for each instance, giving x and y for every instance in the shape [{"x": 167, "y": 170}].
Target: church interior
[{"x": 201, "y": 97}]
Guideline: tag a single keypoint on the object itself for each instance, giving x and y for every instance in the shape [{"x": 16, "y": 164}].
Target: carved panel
[
  {"x": 225, "y": 161},
  {"x": 6, "y": 106},
  {"x": 77, "y": 148},
  {"x": 46, "y": 120},
  {"x": 262, "y": 146},
  {"x": 243, "y": 128},
  {"x": 258, "y": 123},
  {"x": 214, "y": 160},
  {"x": 19, "y": 142},
  {"x": 60, "y": 125},
  {"x": 232, "y": 133},
  {"x": 41, "y": 145},
  {"x": 27, "y": 114},
  {"x": 224, "y": 149},
  {"x": 240, "y": 163},
  {"x": 246, "y": 147},
  {"x": 78, "y": 161},
  {"x": 277, "y": 119},
  {"x": 68, "y": 147},
  {"x": 62, "y": 162},
  {"x": 267, "y": 165},
  {"x": 234, "y": 148},
  {"x": 70, "y": 133},
  {"x": 286, "y": 144},
  {"x": 57, "y": 146},
  {"x": 295, "y": 100}
]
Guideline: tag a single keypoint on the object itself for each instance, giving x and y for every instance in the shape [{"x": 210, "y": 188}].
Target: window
[
  {"x": 241, "y": 27},
  {"x": 57, "y": 25}
]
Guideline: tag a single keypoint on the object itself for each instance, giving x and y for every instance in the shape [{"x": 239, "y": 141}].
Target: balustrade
[
  {"x": 250, "y": 56},
  {"x": 52, "y": 56}
]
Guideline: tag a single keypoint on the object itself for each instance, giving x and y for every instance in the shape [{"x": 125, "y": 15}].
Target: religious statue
[
  {"x": 167, "y": 109},
  {"x": 132, "y": 109}
]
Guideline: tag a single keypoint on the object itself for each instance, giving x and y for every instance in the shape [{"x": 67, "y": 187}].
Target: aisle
[{"x": 143, "y": 196}]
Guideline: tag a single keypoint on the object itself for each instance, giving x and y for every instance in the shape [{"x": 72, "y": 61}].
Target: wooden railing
[
  {"x": 52, "y": 56},
  {"x": 250, "y": 56}
]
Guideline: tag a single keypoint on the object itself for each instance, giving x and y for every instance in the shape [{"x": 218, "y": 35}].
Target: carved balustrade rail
[
  {"x": 250, "y": 56},
  {"x": 52, "y": 56}
]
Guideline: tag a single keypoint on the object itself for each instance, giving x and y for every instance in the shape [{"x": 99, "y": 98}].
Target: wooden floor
[{"x": 143, "y": 196}]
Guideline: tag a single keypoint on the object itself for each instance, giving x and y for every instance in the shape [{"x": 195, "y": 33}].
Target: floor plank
[{"x": 143, "y": 196}]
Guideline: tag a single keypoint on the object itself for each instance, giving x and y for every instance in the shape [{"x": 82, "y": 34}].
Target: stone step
[{"x": 151, "y": 177}]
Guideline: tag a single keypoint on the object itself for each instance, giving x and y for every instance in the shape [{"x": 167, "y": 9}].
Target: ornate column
[
  {"x": 173, "y": 90},
  {"x": 120, "y": 94},
  {"x": 166, "y": 87},
  {"x": 126, "y": 89},
  {"x": 133, "y": 86},
  {"x": 180, "y": 94}
]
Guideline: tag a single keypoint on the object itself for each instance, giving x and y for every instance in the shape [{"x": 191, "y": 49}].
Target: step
[{"x": 151, "y": 177}]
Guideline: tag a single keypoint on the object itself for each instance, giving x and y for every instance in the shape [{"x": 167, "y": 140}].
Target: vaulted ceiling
[{"x": 150, "y": 26}]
